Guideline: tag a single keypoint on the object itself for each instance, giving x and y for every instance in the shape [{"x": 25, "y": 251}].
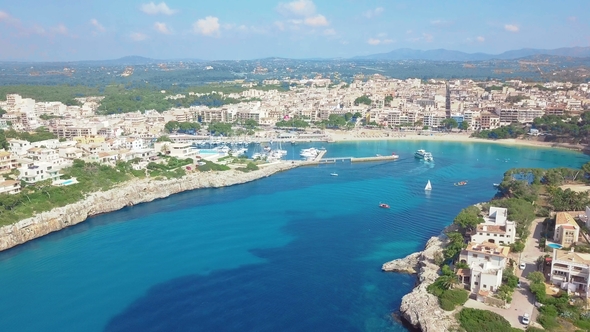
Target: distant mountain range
[
  {"x": 133, "y": 60},
  {"x": 449, "y": 55}
]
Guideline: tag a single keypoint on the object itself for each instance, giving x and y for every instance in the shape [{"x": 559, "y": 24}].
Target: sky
[{"x": 70, "y": 30}]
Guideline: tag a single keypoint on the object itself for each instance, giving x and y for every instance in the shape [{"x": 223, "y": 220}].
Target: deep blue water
[{"x": 298, "y": 251}]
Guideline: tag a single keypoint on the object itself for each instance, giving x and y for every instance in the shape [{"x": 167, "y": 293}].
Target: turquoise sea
[{"x": 297, "y": 251}]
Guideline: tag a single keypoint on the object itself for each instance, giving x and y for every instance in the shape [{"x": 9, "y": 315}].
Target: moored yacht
[{"x": 422, "y": 154}]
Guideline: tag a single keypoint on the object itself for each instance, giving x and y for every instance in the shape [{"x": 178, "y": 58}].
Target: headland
[{"x": 127, "y": 194}]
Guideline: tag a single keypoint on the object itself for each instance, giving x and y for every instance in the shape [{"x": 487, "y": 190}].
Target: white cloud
[
  {"x": 427, "y": 37},
  {"x": 441, "y": 23},
  {"x": 138, "y": 36},
  {"x": 162, "y": 28},
  {"x": 298, "y": 8},
  {"x": 8, "y": 19},
  {"x": 245, "y": 28},
  {"x": 317, "y": 21},
  {"x": 60, "y": 29},
  {"x": 376, "y": 41},
  {"x": 97, "y": 25},
  {"x": 207, "y": 26},
  {"x": 511, "y": 27},
  {"x": 329, "y": 32},
  {"x": 153, "y": 9},
  {"x": 480, "y": 39},
  {"x": 4, "y": 16},
  {"x": 373, "y": 12}
]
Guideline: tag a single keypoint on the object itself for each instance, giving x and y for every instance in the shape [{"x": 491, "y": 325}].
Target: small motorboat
[
  {"x": 496, "y": 185},
  {"x": 383, "y": 205},
  {"x": 334, "y": 174},
  {"x": 462, "y": 183}
]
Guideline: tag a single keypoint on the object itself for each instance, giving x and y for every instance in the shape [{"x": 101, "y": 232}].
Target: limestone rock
[
  {"x": 408, "y": 264},
  {"x": 127, "y": 194},
  {"x": 420, "y": 308}
]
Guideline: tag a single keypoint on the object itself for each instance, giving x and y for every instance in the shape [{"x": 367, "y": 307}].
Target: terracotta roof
[
  {"x": 491, "y": 228},
  {"x": 464, "y": 272},
  {"x": 562, "y": 218}
]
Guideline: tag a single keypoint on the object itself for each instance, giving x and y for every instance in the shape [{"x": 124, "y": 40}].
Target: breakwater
[{"x": 127, "y": 194}]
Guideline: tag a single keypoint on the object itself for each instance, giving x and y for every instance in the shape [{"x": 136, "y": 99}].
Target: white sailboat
[{"x": 428, "y": 186}]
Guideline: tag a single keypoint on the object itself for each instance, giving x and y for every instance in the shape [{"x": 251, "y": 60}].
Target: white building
[
  {"x": 38, "y": 171},
  {"x": 9, "y": 186},
  {"x": 496, "y": 228},
  {"x": 486, "y": 264},
  {"x": 571, "y": 270},
  {"x": 19, "y": 146}
]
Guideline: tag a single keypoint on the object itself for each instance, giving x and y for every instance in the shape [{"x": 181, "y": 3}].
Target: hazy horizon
[{"x": 33, "y": 30}]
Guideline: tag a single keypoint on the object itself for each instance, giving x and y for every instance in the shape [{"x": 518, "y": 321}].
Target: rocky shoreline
[
  {"x": 127, "y": 194},
  {"x": 419, "y": 308}
]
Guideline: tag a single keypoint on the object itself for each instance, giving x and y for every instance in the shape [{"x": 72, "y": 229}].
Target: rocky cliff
[
  {"x": 420, "y": 308},
  {"x": 127, "y": 194}
]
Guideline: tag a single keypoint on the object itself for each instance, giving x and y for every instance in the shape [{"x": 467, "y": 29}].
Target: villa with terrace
[
  {"x": 570, "y": 271},
  {"x": 496, "y": 228},
  {"x": 566, "y": 231},
  {"x": 486, "y": 263}
]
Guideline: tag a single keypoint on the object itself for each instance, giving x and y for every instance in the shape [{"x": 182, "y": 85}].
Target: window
[
  {"x": 485, "y": 286},
  {"x": 474, "y": 255},
  {"x": 476, "y": 283},
  {"x": 488, "y": 234}
]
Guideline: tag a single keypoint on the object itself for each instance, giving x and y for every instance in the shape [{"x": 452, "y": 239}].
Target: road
[{"x": 522, "y": 299}]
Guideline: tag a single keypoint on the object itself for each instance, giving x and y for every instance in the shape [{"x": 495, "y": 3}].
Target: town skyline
[{"x": 64, "y": 31}]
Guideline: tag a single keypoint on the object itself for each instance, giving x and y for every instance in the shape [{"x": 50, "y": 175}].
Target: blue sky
[{"x": 64, "y": 30}]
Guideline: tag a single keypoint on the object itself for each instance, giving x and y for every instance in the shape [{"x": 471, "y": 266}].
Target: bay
[{"x": 298, "y": 251}]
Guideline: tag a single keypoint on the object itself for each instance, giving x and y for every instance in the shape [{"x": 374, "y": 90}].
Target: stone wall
[{"x": 127, "y": 194}]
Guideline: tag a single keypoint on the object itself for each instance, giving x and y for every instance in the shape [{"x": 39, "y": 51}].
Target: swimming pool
[{"x": 554, "y": 245}]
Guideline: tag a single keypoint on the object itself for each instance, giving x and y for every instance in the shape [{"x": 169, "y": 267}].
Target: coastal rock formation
[
  {"x": 420, "y": 308},
  {"x": 408, "y": 264},
  {"x": 127, "y": 194}
]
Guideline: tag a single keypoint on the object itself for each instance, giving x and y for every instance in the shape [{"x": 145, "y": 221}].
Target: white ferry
[{"x": 421, "y": 154}]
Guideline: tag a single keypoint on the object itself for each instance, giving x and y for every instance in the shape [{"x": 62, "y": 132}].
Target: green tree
[
  {"x": 517, "y": 246},
  {"x": 536, "y": 277},
  {"x": 388, "y": 100},
  {"x": 220, "y": 128},
  {"x": 449, "y": 123},
  {"x": 468, "y": 218},
  {"x": 464, "y": 125},
  {"x": 365, "y": 100}
]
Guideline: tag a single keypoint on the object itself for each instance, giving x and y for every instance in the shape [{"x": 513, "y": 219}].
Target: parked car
[
  {"x": 525, "y": 319},
  {"x": 522, "y": 266}
]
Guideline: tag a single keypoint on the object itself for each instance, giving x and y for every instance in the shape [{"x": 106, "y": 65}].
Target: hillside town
[{"x": 379, "y": 102}]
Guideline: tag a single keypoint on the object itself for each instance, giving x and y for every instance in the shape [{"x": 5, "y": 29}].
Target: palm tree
[{"x": 448, "y": 281}]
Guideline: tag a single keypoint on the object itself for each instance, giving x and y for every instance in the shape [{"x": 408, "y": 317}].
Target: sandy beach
[{"x": 368, "y": 134}]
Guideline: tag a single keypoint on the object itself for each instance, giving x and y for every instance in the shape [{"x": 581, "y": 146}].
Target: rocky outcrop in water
[
  {"x": 128, "y": 194},
  {"x": 408, "y": 264},
  {"x": 420, "y": 308}
]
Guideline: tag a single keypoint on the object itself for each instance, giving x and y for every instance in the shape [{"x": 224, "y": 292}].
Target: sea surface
[{"x": 298, "y": 251}]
